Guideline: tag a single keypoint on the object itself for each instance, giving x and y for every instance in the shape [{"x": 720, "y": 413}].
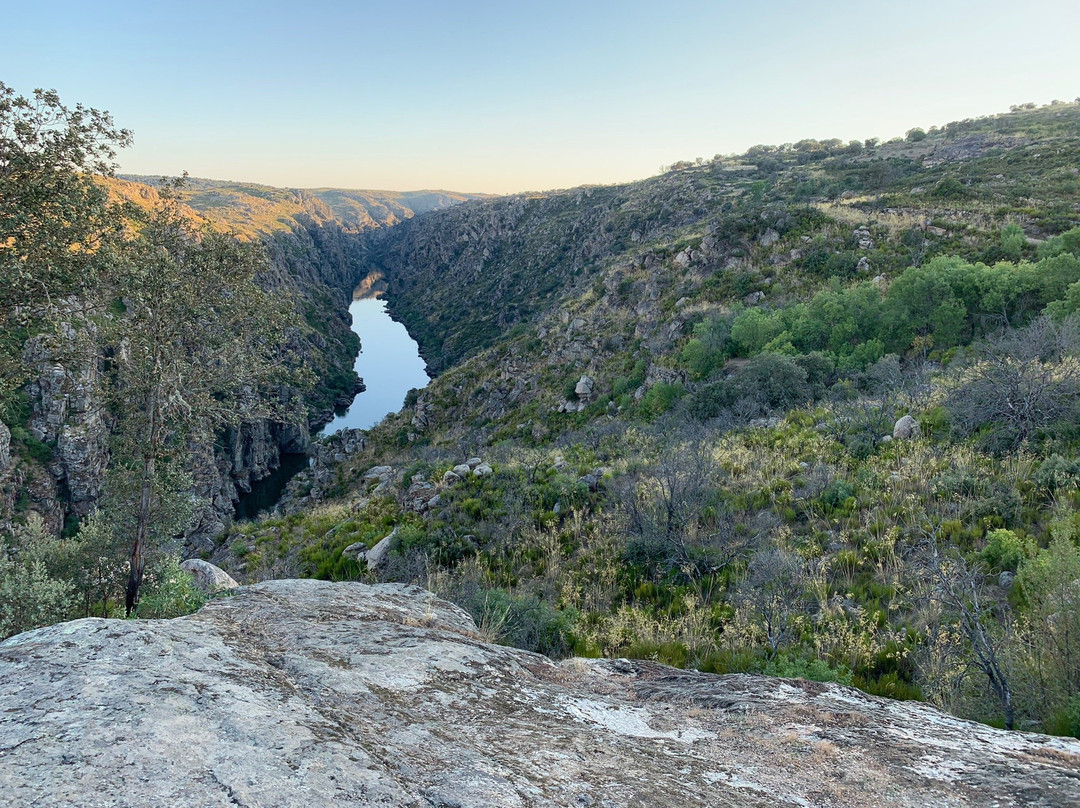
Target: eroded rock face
[{"x": 308, "y": 693}]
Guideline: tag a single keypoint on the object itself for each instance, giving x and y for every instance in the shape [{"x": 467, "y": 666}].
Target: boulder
[
  {"x": 374, "y": 556},
  {"x": 377, "y": 554},
  {"x": 297, "y": 694},
  {"x": 907, "y": 428},
  {"x": 483, "y": 470},
  {"x": 450, "y": 477},
  {"x": 207, "y": 577},
  {"x": 473, "y": 462},
  {"x": 1006, "y": 578},
  {"x": 769, "y": 238},
  {"x": 463, "y": 469},
  {"x": 379, "y": 473},
  {"x": 584, "y": 388}
]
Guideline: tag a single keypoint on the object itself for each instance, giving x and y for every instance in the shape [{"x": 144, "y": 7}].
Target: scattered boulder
[
  {"x": 207, "y": 577},
  {"x": 907, "y": 428},
  {"x": 584, "y": 388},
  {"x": 379, "y": 473},
  {"x": 754, "y": 298},
  {"x": 376, "y": 555},
  {"x": 863, "y": 265},
  {"x": 769, "y": 238},
  {"x": 1006, "y": 578},
  {"x": 463, "y": 469},
  {"x": 450, "y": 477},
  {"x": 483, "y": 470},
  {"x": 473, "y": 462},
  {"x": 863, "y": 239}
]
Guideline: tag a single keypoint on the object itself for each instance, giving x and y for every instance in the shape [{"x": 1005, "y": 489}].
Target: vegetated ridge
[{"x": 810, "y": 410}]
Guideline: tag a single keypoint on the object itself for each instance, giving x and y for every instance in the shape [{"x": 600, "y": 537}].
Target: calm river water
[{"x": 389, "y": 363}]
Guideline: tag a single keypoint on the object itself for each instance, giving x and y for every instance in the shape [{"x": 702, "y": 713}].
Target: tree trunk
[{"x": 138, "y": 549}]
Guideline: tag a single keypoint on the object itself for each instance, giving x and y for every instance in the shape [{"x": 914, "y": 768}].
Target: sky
[{"x": 499, "y": 97}]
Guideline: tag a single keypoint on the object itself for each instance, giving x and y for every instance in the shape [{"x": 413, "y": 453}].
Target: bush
[
  {"x": 170, "y": 592},
  {"x": 1005, "y": 550},
  {"x": 797, "y": 667},
  {"x": 523, "y": 621}
]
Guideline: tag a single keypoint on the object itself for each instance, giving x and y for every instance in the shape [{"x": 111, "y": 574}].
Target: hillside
[
  {"x": 252, "y": 209},
  {"x": 298, "y": 693},
  {"x": 808, "y": 410}
]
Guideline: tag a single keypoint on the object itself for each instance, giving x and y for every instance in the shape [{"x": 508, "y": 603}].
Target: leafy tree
[
  {"x": 1051, "y": 586},
  {"x": 198, "y": 346},
  {"x": 57, "y": 228}
]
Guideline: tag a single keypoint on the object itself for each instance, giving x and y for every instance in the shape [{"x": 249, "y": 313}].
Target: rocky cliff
[{"x": 302, "y": 693}]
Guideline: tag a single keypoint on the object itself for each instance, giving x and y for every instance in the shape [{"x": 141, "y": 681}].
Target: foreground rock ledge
[{"x": 304, "y": 693}]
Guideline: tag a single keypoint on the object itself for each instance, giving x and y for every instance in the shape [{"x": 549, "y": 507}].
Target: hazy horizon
[{"x": 486, "y": 97}]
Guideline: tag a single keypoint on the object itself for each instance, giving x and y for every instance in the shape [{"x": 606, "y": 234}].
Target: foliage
[
  {"x": 171, "y": 592},
  {"x": 35, "y": 588}
]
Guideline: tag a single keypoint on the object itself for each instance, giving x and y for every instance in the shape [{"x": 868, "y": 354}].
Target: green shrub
[
  {"x": 797, "y": 667},
  {"x": 1005, "y": 550},
  {"x": 170, "y": 592}
]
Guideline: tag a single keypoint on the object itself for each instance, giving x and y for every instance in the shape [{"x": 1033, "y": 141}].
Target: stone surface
[
  {"x": 376, "y": 555},
  {"x": 584, "y": 388},
  {"x": 5, "y": 446},
  {"x": 907, "y": 428},
  {"x": 297, "y": 694},
  {"x": 208, "y": 577}
]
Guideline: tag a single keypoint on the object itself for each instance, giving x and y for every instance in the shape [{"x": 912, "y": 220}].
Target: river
[{"x": 389, "y": 362}]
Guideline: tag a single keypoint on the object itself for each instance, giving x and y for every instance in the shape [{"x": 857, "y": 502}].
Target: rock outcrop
[
  {"x": 907, "y": 428},
  {"x": 305, "y": 693},
  {"x": 207, "y": 577}
]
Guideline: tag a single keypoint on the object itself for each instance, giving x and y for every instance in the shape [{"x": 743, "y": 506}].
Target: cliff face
[{"x": 300, "y": 693}]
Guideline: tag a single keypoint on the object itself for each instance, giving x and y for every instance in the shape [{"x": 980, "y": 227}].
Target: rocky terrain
[{"x": 302, "y": 693}]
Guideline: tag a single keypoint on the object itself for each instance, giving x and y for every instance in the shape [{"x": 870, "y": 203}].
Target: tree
[
  {"x": 1023, "y": 382},
  {"x": 772, "y": 595},
  {"x": 198, "y": 345},
  {"x": 965, "y": 625},
  {"x": 57, "y": 228},
  {"x": 675, "y": 516},
  {"x": 1050, "y": 583},
  {"x": 35, "y": 589}
]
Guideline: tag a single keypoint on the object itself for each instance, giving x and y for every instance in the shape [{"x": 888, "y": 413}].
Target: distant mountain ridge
[{"x": 254, "y": 208}]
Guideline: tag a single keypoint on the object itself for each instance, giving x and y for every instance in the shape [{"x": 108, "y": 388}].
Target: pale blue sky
[{"x": 501, "y": 96}]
